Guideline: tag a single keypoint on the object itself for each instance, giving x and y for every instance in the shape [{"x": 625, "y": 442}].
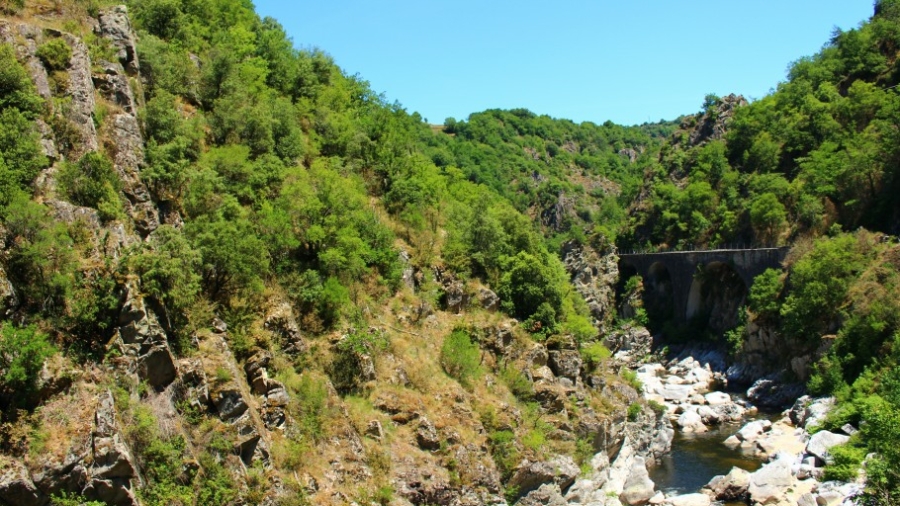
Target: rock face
[
  {"x": 16, "y": 487},
  {"x": 594, "y": 276},
  {"x": 113, "y": 466},
  {"x": 560, "y": 471},
  {"x": 8, "y": 298},
  {"x": 713, "y": 124}
]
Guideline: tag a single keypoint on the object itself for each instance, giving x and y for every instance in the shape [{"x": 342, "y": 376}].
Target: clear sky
[{"x": 585, "y": 60}]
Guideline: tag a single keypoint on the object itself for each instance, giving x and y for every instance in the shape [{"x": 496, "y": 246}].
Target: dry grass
[{"x": 66, "y": 422}]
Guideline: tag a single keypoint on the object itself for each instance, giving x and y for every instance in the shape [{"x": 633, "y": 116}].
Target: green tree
[
  {"x": 23, "y": 351},
  {"x": 768, "y": 218}
]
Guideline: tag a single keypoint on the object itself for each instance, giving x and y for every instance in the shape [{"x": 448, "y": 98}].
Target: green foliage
[
  {"x": 64, "y": 499},
  {"x": 594, "y": 354},
  {"x": 461, "y": 358},
  {"x": 168, "y": 265},
  {"x": 16, "y": 89},
  {"x": 819, "y": 283},
  {"x": 21, "y": 158},
  {"x": 93, "y": 182},
  {"x": 764, "y": 299},
  {"x": 23, "y": 351},
  {"x": 846, "y": 460},
  {"x": 631, "y": 378},
  {"x": 517, "y": 382},
  {"x": 55, "y": 54},
  {"x": 41, "y": 260},
  {"x": 634, "y": 411}
]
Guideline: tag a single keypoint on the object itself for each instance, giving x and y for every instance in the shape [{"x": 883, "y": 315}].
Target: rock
[
  {"x": 769, "y": 484},
  {"x": 115, "y": 492},
  {"x": 732, "y": 442},
  {"x": 282, "y": 323},
  {"x": 709, "y": 416},
  {"x": 116, "y": 27},
  {"x": 849, "y": 429},
  {"x": 807, "y": 500},
  {"x": 566, "y": 363},
  {"x": 550, "y": 397},
  {"x": 798, "y": 411},
  {"x": 426, "y": 435},
  {"x": 9, "y": 301},
  {"x": 821, "y": 442},
  {"x": 16, "y": 487},
  {"x": 374, "y": 430},
  {"x": 547, "y": 495},
  {"x": 594, "y": 276},
  {"x": 730, "y": 487},
  {"x": 229, "y": 403},
  {"x": 690, "y": 421},
  {"x": 112, "y": 468},
  {"x": 157, "y": 366},
  {"x": 751, "y": 431},
  {"x": 775, "y": 391},
  {"x": 488, "y": 299},
  {"x": 689, "y": 500},
  {"x": 528, "y": 476},
  {"x": 717, "y": 398},
  {"x": 638, "y": 488}
]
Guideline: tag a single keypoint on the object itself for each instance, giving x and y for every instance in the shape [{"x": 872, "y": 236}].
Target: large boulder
[
  {"x": 770, "y": 483},
  {"x": 691, "y": 421},
  {"x": 729, "y": 487},
  {"x": 528, "y": 476},
  {"x": 565, "y": 363},
  {"x": 546, "y": 495},
  {"x": 821, "y": 442},
  {"x": 751, "y": 431},
  {"x": 638, "y": 488}
]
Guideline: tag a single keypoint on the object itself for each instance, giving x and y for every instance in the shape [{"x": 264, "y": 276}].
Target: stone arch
[
  {"x": 717, "y": 292},
  {"x": 660, "y": 297}
]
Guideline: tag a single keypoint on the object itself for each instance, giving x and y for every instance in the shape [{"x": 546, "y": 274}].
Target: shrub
[
  {"x": 517, "y": 382},
  {"x": 461, "y": 358},
  {"x": 93, "y": 182},
  {"x": 594, "y": 354},
  {"x": 55, "y": 54},
  {"x": 845, "y": 464},
  {"x": 631, "y": 378},
  {"x": 634, "y": 411},
  {"x": 16, "y": 89},
  {"x": 23, "y": 351}
]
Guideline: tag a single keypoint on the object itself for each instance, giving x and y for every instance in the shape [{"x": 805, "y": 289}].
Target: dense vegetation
[{"x": 293, "y": 177}]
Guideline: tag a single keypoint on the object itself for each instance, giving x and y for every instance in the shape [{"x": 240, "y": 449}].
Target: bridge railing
[{"x": 699, "y": 249}]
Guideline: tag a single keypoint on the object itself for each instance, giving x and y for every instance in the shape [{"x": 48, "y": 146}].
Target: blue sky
[{"x": 585, "y": 60}]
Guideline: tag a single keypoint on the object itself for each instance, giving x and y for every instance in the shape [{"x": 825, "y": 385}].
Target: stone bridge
[{"x": 688, "y": 275}]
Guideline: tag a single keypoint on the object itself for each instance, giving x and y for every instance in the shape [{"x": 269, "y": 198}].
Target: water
[{"x": 696, "y": 458}]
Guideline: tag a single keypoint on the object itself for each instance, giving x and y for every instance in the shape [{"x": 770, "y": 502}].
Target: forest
[{"x": 282, "y": 176}]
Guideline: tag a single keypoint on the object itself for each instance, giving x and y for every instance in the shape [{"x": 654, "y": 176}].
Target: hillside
[{"x": 231, "y": 273}]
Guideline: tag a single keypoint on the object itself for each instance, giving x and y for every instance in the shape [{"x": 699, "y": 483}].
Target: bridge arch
[
  {"x": 691, "y": 282},
  {"x": 716, "y": 295}
]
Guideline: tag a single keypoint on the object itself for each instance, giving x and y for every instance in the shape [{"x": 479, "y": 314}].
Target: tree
[
  {"x": 768, "y": 218},
  {"x": 23, "y": 351}
]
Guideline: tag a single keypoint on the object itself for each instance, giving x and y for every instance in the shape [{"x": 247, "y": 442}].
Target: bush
[
  {"x": 21, "y": 157},
  {"x": 23, "y": 351},
  {"x": 461, "y": 358},
  {"x": 55, "y": 54},
  {"x": 594, "y": 354},
  {"x": 631, "y": 378},
  {"x": 846, "y": 460},
  {"x": 517, "y": 382},
  {"x": 16, "y": 89},
  {"x": 634, "y": 411},
  {"x": 93, "y": 182}
]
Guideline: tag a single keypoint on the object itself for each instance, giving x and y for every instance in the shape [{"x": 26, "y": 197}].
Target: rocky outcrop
[
  {"x": 713, "y": 124},
  {"x": 560, "y": 471},
  {"x": 143, "y": 342},
  {"x": 594, "y": 277},
  {"x": 9, "y": 301},
  {"x": 112, "y": 470},
  {"x": 16, "y": 487}
]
